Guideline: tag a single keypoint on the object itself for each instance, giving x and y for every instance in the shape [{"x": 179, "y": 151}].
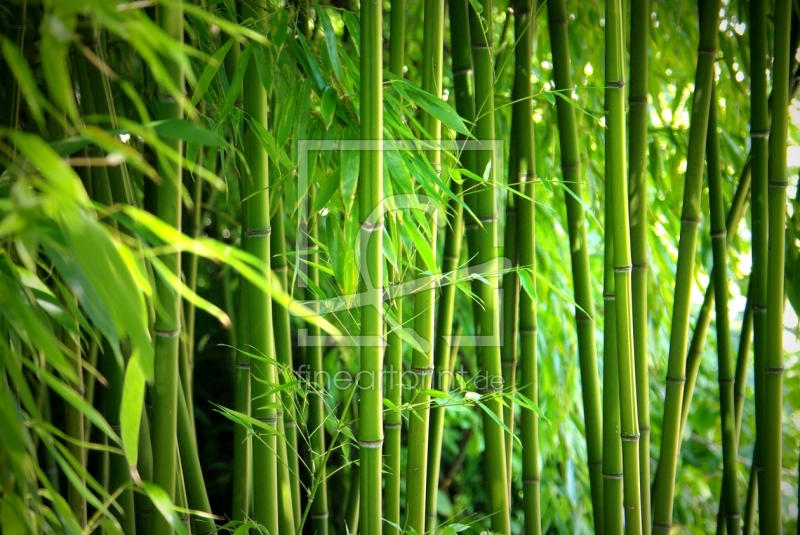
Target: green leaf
[
  {"x": 131, "y": 410},
  {"x": 329, "y": 98},
  {"x": 349, "y": 168},
  {"x": 27, "y": 83},
  {"x": 210, "y": 71},
  {"x": 236, "y": 82},
  {"x": 188, "y": 131},
  {"x": 527, "y": 283},
  {"x": 161, "y": 500},
  {"x": 432, "y": 104},
  {"x": 330, "y": 39},
  {"x": 354, "y": 27}
]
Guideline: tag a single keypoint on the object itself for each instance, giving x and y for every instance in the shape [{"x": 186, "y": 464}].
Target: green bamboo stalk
[
  {"x": 615, "y": 155},
  {"x": 759, "y": 133},
  {"x": 393, "y": 421},
  {"x": 572, "y": 178},
  {"x": 316, "y": 403},
  {"x": 422, "y": 362},
  {"x": 286, "y": 516},
  {"x": 487, "y": 317},
  {"x": 141, "y": 502},
  {"x": 283, "y": 350},
  {"x": 524, "y": 174},
  {"x": 730, "y": 487},
  {"x": 690, "y": 220},
  {"x": 196, "y": 494},
  {"x": 353, "y": 508},
  {"x": 612, "y": 445},
  {"x": 259, "y": 308},
  {"x": 637, "y": 171},
  {"x": 75, "y": 429},
  {"x": 17, "y": 20},
  {"x": 770, "y": 515},
  {"x": 168, "y": 324},
  {"x": 369, "y": 192}
]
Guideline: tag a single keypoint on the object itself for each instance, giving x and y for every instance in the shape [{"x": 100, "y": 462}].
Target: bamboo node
[
  {"x": 531, "y": 480},
  {"x": 242, "y": 366},
  {"x": 618, "y": 84},
  {"x": 289, "y": 423},
  {"x": 258, "y": 233},
  {"x": 371, "y": 226},
  {"x": 629, "y": 438},
  {"x": 641, "y": 266},
  {"x": 637, "y": 100},
  {"x": 371, "y": 444},
  {"x": 690, "y": 221},
  {"x": 774, "y": 371},
  {"x": 488, "y": 219},
  {"x": 451, "y": 258},
  {"x": 759, "y": 309},
  {"x": 623, "y": 269},
  {"x": 571, "y": 166},
  {"x": 707, "y": 51},
  {"x": 726, "y": 381},
  {"x": 610, "y": 297},
  {"x": 392, "y": 426},
  {"x": 422, "y": 370},
  {"x": 644, "y": 429},
  {"x": 779, "y": 184},
  {"x": 676, "y": 380},
  {"x": 592, "y": 464},
  {"x": 615, "y": 475},
  {"x": 320, "y": 516},
  {"x": 457, "y": 72},
  {"x": 584, "y": 318},
  {"x": 268, "y": 420},
  {"x": 529, "y": 330},
  {"x": 168, "y": 333},
  {"x": 759, "y": 133},
  {"x": 719, "y": 234},
  {"x": 733, "y": 515}
]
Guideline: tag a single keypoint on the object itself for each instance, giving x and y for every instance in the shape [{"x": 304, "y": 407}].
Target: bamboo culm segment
[
  {"x": 422, "y": 362},
  {"x": 444, "y": 352},
  {"x": 572, "y": 178},
  {"x": 690, "y": 219},
  {"x": 770, "y": 516},
  {"x": 725, "y": 365},
  {"x": 369, "y": 193},
  {"x": 615, "y": 155},
  {"x": 522, "y": 169},
  {"x": 393, "y": 421},
  {"x": 164, "y": 393},
  {"x": 256, "y": 232},
  {"x": 637, "y": 173},
  {"x": 488, "y": 318}
]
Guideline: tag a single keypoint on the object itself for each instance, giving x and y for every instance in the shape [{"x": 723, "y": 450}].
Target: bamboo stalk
[
  {"x": 75, "y": 429},
  {"x": 168, "y": 324},
  {"x": 770, "y": 509},
  {"x": 637, "y": 171},
  {"x": 256, "y": 232},
  {"x": 444, "y": 352},
  {"x": 615, "y": 155},
  {"x": 487, "y": 317},
  {"x": 690, "y": 218},
  {"x": 422, "y": 362},
  {"x": 572, "y": 178},
  {"x": 283, "y": 351},
  {"x": 393, "y": 421},
  {"x": 612, "y": 445},
  {"x": 730, "y": 487},
  {"x": 369, "y": 192},
  {"x": 524, "y": 174}
]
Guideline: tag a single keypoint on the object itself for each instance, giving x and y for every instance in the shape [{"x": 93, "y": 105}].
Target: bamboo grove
[{"x": 411, "y": 266}]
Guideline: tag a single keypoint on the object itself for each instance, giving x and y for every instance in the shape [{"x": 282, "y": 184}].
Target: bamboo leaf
[
  {"x": 130, "y": 416},
  {"x": 236, "y": 82},
  {"x": 432, "y": 104},
  {"x": 330, "y": 38},
  {"x": 161, "y": 500},
  {"x": 210, "y": 71},
  {"x": 184, "y": 130}
]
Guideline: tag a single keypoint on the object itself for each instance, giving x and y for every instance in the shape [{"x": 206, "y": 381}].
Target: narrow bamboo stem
[
  {"x": 75, "y": 429},
  {"x": 690, "y": 220},
  {"x": 615, "y": 155},
  {"x": 770, "y": 507},
  {"x": 422, "y": 362},
  {"x": 730, "y": 487},
  {"x": 487, "y": 319},
  {"x": 572, "y": 178},
  {"x": 369, "y": 192},
  {"x": 637, "y": 172},
  {"x": 524, "y": 175},
  {"x": 167, "y": 326},
  {"x": 393, "y": 421}
]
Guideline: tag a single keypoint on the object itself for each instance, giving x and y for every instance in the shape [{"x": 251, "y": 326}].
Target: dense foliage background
[{"x": 77, "y": 272}]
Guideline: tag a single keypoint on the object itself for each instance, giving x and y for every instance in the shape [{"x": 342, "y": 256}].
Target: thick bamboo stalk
[
  {"x": 393, "y": 421},
  {"x": 256, "y": 232},
  {"x": 168, "y": 325},
  {"x": 422, "y": 362},
  {"x": 615, "y": 155},
  {"x": 524, "y": 174},
  {"x": 369, "y": 192},
  {"x": 690, "y": 220},
  {"x": 637, "y": 171},
  {"x": 730, "y": 486},
  {"x": 572, "y": 178},
  {"x": 770, "y": 509},
  {"x": 488, "y": 317}
]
